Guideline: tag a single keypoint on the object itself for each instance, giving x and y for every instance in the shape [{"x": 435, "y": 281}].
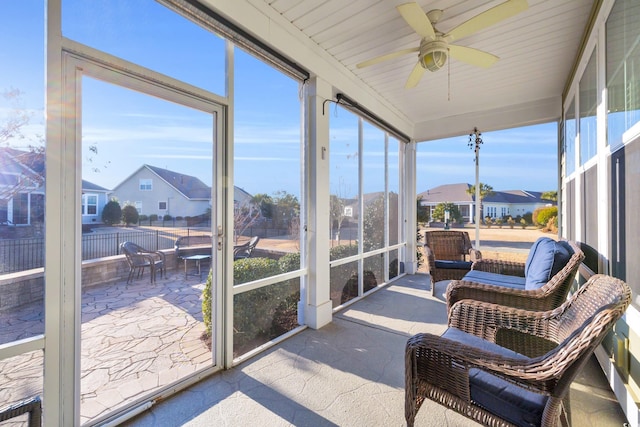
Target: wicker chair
[
  {"x": 140, "y": 258},
  {"x": 547, "y": 297},
  {"x": 449, "y": 255},
  {"x": 244, "y": 251},
  {"x": 526, "y": 382}
]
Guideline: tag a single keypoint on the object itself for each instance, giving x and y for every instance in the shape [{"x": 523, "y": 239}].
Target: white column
[
  {"x": 410, "y": 208},
  {"x": 315, "y": 302}
]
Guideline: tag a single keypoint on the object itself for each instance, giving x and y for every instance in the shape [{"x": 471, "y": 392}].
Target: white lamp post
[{"x": 474, "y": 142}]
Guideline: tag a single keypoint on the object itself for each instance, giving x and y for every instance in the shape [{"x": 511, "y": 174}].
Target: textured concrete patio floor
[{"x": 349, "y": 373}]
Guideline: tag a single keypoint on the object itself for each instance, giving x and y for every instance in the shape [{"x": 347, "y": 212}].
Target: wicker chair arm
[
  {"x": 484, "y": 320},
  {"x": 538, "y": 299},
  {"x": 430, "y": 256},
  {"x": 509, "y": 268},
  {"x": 475, "y": 255},
  {"x": 448, "y": 363}
]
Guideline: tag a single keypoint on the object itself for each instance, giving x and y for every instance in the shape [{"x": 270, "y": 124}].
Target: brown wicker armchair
[
  {"x": 449, "y": 255},
  {"x": 525, "y": 382},
  {"x": 548, "y": 296}
]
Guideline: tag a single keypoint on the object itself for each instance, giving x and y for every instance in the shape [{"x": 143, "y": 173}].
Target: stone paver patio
[{"x": 135, "y": 338}]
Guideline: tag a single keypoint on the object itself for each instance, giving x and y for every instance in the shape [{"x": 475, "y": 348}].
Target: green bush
[
  {"x": 544, "y": 214},
  {"x": 289, "y": 262},
  {"x": 167, "y": 218},
  {"x": 130, "y": 215},
  {"x": 250, "y": 312},
  {"x": 143, "y": 218},
  {"x": 343, "y": 251},
  {"x": 153, "y": 217},
  {"x": 112, "y": 213}
]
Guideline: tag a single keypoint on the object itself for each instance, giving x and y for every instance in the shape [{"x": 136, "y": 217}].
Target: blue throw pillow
[{"x": 546, "y": 258}]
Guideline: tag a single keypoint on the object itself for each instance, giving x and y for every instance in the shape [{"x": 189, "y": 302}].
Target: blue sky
[{"x": 130, "y": 129}]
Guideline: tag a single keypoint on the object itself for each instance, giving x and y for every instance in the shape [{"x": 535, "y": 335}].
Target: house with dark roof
[
  {"x": 154, "y": 190},
  {"x": 514, "y": 203},
  {"x": 21, "y": 187},
  {"x": 94, "y": 197}
]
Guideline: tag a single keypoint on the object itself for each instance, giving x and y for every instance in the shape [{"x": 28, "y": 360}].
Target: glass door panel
[{"x": 147, "y": 177}]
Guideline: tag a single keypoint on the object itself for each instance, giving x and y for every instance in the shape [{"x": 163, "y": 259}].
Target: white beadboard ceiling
[{"x": 537, "y": 50}]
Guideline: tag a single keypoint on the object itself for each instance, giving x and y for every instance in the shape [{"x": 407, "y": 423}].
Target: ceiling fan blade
[
  {"x": 472, "y": 56},
  {"x": 417, "y": 19},
  {"x": 386, "y": 57},
  {"x": 487, "y": 19},
  {"x": 415, "y": 76}
]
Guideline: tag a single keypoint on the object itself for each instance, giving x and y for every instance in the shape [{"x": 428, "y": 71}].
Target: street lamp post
[{"x": 475, "y": 140}]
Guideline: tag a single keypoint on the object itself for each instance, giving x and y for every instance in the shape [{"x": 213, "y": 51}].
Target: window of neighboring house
[
  {"x": 21, "y": 208},
  {"x": 491, "y": 211},
  {"x": 4, "y": 211},
  {"x": 162, "y": 206},
  {"x": 146, "y": 185},
  {"x": 138, "y": 206},
  {"x": 89, "y": 204},
  {"x": 505, "y": 211},
  {"x": 348, "y": 211}
]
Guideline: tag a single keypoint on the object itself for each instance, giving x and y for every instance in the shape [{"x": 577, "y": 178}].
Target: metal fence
[{"x": 25, "y": 254}]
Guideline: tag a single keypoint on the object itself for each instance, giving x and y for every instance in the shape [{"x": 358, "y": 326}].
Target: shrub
[
  {"x": 499, "y": 222},
  {"x": 178, "y": 218},
  {"x": 142, "y": 218},
  {"x": 511, "y": 222},
  {"x": 250, "y": 308},
  {"x": 488, "y": 221},
  {"x": 523, "y": 223},
  {"x": 289, "y": 262},
  {"x": 552, "y": 225},
  {"x": 167, "y": 218},
  {"x": 153, "y": 217},
  {"x": 544, "y": 214},
  {"x": 343, "y": 251},
  {"x": 112, "y": 213},
  {"x": 130, "y": 215}
]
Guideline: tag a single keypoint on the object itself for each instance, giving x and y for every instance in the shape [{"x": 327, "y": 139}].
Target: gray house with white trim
[{"x": 515, "y": 203}]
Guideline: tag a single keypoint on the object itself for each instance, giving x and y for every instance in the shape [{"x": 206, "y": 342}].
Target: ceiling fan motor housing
[{"x": 433, "y": 54}]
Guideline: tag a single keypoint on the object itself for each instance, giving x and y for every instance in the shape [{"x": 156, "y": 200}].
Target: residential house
[
  {"x": 153, "y": 190},
  {"x": 94, "y": 197},
  {"x": 514, "y": 203},
  {"x": 21, "y": 187}
]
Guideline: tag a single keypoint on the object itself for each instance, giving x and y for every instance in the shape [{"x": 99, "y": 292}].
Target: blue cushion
[
  {"x": 546, "y": 258},
  {"x": 516, "y": 405},
  {"x": 515, "y": 282},
  {"x": 459, "y": 265}
]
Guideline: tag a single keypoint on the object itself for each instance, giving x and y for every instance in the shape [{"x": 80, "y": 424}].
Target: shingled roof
[{"x": 188, "y": 185}]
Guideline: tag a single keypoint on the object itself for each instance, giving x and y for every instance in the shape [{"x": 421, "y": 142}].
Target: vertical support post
[
  {"x": 475, "y": 140},
  {"x": 315, "y": 296}
]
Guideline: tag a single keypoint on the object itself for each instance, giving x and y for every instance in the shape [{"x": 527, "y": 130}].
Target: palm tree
[{"x": 485, "y": 191}]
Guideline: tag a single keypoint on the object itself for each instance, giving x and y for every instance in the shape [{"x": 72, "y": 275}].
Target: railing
[{"x": 25, "y": 254}]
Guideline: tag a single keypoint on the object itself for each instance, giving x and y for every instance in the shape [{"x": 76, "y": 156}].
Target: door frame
[{"x": 63, "y": 311}]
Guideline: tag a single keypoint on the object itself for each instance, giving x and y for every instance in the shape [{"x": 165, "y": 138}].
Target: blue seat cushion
[
  {"x": 515, "y": 282},
  {"x": 459, "y": 265},
  {"x": 546, "y": 258},
  {"x": 515, "y": 404}
]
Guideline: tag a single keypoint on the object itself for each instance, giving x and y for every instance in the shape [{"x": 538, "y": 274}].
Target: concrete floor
[{"x": 349, "y": 373}]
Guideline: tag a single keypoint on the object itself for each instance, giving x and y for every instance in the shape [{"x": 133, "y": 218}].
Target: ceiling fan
[{"x": 435, "y": 46}]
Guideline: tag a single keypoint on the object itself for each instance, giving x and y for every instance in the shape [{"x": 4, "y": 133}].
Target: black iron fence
[{"x": 25, "y": 254}]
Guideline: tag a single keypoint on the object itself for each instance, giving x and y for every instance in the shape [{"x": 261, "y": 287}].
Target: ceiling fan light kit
[
  {"x": 436, "y": 47},
  {"x": 433, "y": 54}
]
